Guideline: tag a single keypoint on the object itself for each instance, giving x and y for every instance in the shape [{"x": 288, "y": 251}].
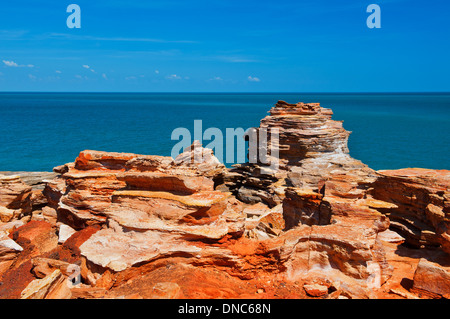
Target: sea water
[{"x": 39, "y": 131}]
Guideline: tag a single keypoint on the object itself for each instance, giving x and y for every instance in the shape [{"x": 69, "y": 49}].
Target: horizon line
[{"x": 230, "y": 92}]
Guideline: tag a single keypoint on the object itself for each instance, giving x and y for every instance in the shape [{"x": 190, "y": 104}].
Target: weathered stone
[
  {"x": 118, "y": 250},
  {"x": 52, "y": 286},
  {"x": 38, "y": 235},
  {"x": 421, "y": 211},
  {"x": 141, "y": 226},
  {"x": 432, "y": 278},
  {"x": 15, "y": 198},
  {"x": 65, "y": 232},
  {"x": 316, "y": 290}
]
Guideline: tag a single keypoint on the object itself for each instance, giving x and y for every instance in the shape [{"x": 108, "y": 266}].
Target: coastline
[{"x": 322, "y": 224}]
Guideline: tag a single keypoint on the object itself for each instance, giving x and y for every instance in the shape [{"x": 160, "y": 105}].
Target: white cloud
[
  {"x": 78, "y": 76},
  {"x": 157, "y": 71},
  {"x": 253, "y": 79},
  {"x": 15, "y": 65},
  {"x": 130, "y": 78},
  {"x": 10, "y": 63},
  {"x": 32, "y": 77},
  {"x": 216, "y": 78},
  {"x": 104, "y": 76},
  {"x": 173, "y": 77},
  {"x": 89, "y": 68},
  {"x": 58, "y": 71}
]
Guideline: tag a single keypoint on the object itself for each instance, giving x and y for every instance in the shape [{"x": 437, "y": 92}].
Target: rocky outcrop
[
  {"x": 36, "y": 180},
  {"x": 431, "y": 279},
  {"x": 421, "y": 204},
  {"x": 15, "y": 198},
  {"x": 311, "y": 146},
  {"x": 320, "y": 225}
]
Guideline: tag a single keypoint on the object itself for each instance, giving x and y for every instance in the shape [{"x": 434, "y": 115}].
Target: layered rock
[
  {"x": 15, "y": 198},
  {"x": 311, "y": 146},
  {"x": 320, "y": 225},
  {"x": 421, "y": 204},
  {"x": 432, "y": 279}
]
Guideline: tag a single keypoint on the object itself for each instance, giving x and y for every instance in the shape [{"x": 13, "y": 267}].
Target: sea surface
[{"x": 39, "y": 131}]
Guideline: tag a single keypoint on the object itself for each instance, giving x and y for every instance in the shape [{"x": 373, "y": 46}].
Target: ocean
[{"x": 39, "y": 131}]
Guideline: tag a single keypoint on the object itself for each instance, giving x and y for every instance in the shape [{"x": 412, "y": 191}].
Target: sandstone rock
[
  {"x": 38, "y": 199},
  {"x": 54, "y": 190},
  {"x": 89, "y": 160},
  {"x": 204, "y": 214},
  {"x": 9, "y": 251},
  {"x": 39, "y": 236},
  {"x": 166, "y": 290},
  {"x": 34, "y": 179},
  {"x": 65, "y": 232},
  {"x": 51, "y": 287},
  {"x": 7, "y": 228},
  {"x": 166, "y": 182},
  {"x": 322, "y": 224},
  {"x": 316, "y": 290},
  {"x": 390, "y": 236},
  {"x": 264, "y": 223},
  {"x": 303, "y": 206},
  {"x": 7, "y": 215},
  {"x": 311, "y": 147},
  {"x": 15, "y": 198},
  {"x": 421, "y": 208},
  {"x": 49, "y": 215},
  {"x": 7, "y": 245},
  {"x": 43, "y": 267},
  {"x": 346, "y": 249},
  {"x": 118, "y": 250},
  {"x": 432, "y": 278}
]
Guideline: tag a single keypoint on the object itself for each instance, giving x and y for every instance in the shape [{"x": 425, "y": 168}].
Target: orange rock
[
  {"x": 316, "y": 290},
  {"x": 432, "y": 279},
  {"x": 421, "y": 199},
  {"x": 38, "y": 235},
  {"x": 323, "y": 225},
  {"x": 15, "y": 198}
]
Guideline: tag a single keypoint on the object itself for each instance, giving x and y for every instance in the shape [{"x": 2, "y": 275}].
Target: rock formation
[
  {"x": 322, "y": 225},
  {"x": 311, "y": 146}
]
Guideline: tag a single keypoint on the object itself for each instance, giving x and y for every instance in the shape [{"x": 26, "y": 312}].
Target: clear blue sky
[{"x": 225, "y": 46}]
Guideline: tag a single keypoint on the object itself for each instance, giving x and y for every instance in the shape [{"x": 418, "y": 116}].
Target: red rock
[
  {"x": 432, "y": 278},
  {"x": 88, "y": 160},
  {"x": 36, "y": 234},
  {"x": 316, "y": 290},
  {"x": 15, "y": 198},
  {"x": 166, "y": 290},
  {"x": 166, "y": 182},
  {"x": 311, "y": 145},
  {"x": 322, "y": 225},
  {"x": 52, "y": 286},
  {"x": 421, "y": 201}
]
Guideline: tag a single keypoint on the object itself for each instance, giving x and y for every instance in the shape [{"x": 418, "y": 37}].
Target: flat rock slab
[{"x": 34, "y": 179}]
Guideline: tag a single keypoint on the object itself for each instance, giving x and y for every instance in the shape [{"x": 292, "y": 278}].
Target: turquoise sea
[{"x": 41, "y": 130}]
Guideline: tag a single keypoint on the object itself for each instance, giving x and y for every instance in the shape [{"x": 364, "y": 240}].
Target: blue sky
[{"x": 225, "y": 46}]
